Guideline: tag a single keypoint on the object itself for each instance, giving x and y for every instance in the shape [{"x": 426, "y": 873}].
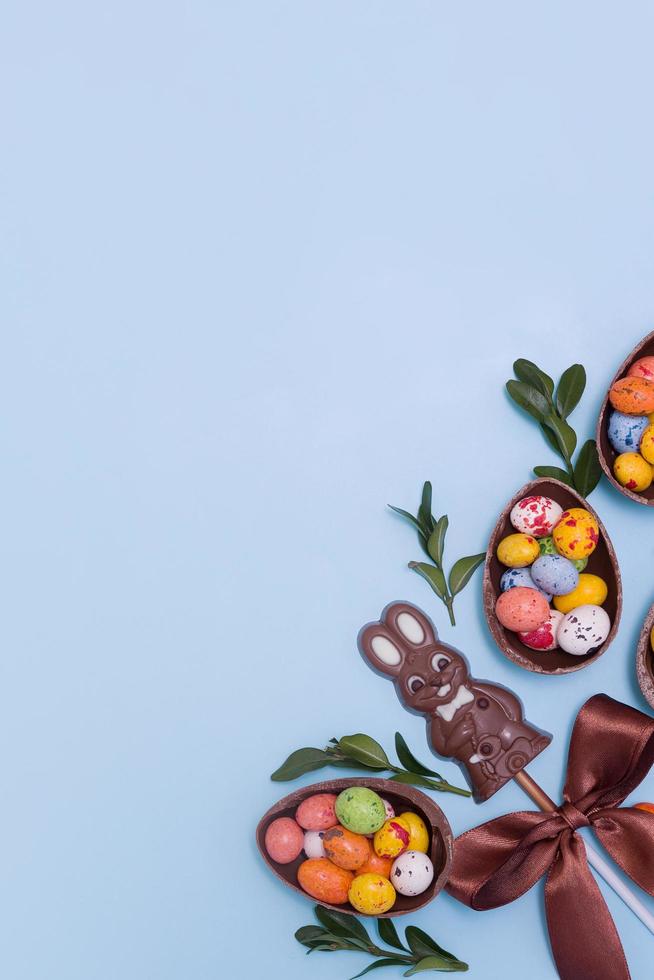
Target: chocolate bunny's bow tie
[{"x": 611, "y": 751}]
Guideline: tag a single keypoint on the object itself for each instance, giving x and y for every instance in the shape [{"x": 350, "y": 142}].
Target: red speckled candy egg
[
  {"x": 544, "y": 636},
  {"x": 522, "y": 609},
  {"x": 642, "y": 368},
  {"x": 536, "y": 515},
  {"x": 284, "y": 840},
  {"x": 317, "y": 812}
]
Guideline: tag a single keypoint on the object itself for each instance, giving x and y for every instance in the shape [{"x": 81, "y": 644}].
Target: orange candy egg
[
  {"x": 648, "y": 807},
  {"x": 633, "y": 396},
  {"x": 324, "y": 881},
  {"x": 345, "y": 849},
  {"x": 376, "y": 865}
]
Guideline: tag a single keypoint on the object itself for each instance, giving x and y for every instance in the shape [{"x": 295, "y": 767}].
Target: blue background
[{"x": 265, "y": 268}]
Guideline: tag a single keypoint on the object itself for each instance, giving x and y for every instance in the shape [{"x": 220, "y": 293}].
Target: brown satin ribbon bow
[{"x": 611, "y": 752}]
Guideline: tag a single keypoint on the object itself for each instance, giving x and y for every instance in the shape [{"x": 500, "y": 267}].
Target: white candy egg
[
  {"x": 583, "y": 630},
  {"x": 412, "y": 873},
  {"x": 313, "y": 846}
]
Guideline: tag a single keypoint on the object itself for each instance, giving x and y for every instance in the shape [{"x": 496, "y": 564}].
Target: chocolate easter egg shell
[
  {"x": 645, "y": 658},
  {"x": 607, "y": 453},
  {"x": 402, "y": 798},
  {"x": 602, "y": 562}
]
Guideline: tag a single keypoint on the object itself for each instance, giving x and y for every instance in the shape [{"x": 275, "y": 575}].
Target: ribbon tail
[{"x": 583, "y": 936}]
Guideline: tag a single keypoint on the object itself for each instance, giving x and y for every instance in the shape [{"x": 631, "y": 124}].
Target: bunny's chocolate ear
[
  {"x": 411, "y": 624},
  {"x": 382, "y": 649}
]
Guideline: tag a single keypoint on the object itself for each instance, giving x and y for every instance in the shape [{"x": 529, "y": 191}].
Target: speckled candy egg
[
  {"x": 393, "y": 838},
  {"x": 284, "y": 840},
  {"x": 345, "y": 849},
  {"x": 376, "y": 865},
  {"x": 418, "y": 833},
  {"x": 554, "y": 574},
  {"x": 583, "y": 630},
  {"x": 633, "y": 396},
  {"x": 625, "y": 431},
  {"x": 547, "y": 547},
  {"x": 632, "y": 471},
  {"x": 324, "y": 881},
  {"x": 317, "y": 812},
  {"x": 591, "y": 591},
  {"x": 517, "y": 550},
  {"x": 577, "y": 533},
  {"x": 412, "y": 873},
  {"x": 313, "y": 843},
  {"x": 544, "y": 636},
  {"x": 361, "y": 810},
  {"x": 536, "y": 515},
  {"x": 390, "y": 812},
  {"x": 642, "y": 368},
  {"x": 513, "y": 577},
  {"x": 521, "y": 610},
  {"x": 372, "y": 894},
  {"x": 647, "y": 443}
]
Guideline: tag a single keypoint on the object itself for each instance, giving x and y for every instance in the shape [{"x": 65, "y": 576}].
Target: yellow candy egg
[
  {"x": 418, "y": 833},
  {"x": 393, "y": 838},
  {"x": 371, "y": 894},
  {"x": 647, "y": 444},
  {"x": 577, "y": 533},
  {"x": 518, "y": 550},
  {"x": 591, "y": 591},
  {"x": 633, "y": 472}
]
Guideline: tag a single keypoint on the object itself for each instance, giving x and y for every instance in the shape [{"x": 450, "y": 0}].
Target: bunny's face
[{"x": 405, "y": 646}]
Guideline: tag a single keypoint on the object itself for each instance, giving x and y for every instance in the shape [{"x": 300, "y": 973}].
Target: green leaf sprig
[
  {"x": 364, "y": 753},
  {"x": 338, "y": 931},
  {"x": 533, "y": 392},
  {"x": 431, "y": 534}
]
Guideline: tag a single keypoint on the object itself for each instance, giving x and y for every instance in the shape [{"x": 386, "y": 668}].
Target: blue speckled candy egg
[
  {"x": 554, "y": 574},
  {"x": 625, "y": 431},
  {"x": 520, "y": 576}
]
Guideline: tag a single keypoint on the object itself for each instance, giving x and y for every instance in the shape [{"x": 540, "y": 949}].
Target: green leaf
[
  {"x": 587, "y": 468},
  {"x": 436, "y": 541},
  {"x": 437, "y": 963},
  {"x": 530, "y": 373},
  {"x": 414, "y": 779},
  {"x": 388, "y": 933},
  {"x": 463, "y": 570},
  {"x": 554, "y": 473},
  {"x": 412, "y": 520},
  {"x": 342, "y": 925},
  {"x": 422, "y": 944},
  {"x": 424, "y": 511},
  {"x": 409, "y": 761},
  {"x": 376, "y": 965},
  {"x": 565, "y": 435},
  {"x": 432, "y": 575},
  {"x": 365, "y": 750},
  {"x": 550, "y": 438},
  {"x": 299, "y": 762},
  {"x": 309, "y": 934},
  {"x": 529, "y": 399},
  {"x": 570, "y": 389}
]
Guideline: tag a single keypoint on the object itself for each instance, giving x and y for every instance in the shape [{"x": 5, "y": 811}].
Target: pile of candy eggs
[
  {"x": 545, "y": 563},
  {"x": 631, "y": 426},
  {"x": 356, "y": 849}
]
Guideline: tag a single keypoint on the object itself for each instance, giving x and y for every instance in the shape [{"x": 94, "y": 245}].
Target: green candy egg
[
  {"x": 580, "y": 563},
  {"x": 361, "y": 810},
  {"x": 547, "y": 546}
]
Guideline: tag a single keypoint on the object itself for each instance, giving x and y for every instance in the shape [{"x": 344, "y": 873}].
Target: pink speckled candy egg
[
  {"x": 642, "y": 368},
  {"x": 544, "y": 636},
  {"x": 522, "y": 609},
  {"x": 536, "y": 515},
  {"x": 317, "y": 812},
  {"x": 284, "y": 840}
]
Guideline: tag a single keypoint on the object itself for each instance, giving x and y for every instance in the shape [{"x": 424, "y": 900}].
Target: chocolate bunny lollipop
[{"x": 477, "y": 723}]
